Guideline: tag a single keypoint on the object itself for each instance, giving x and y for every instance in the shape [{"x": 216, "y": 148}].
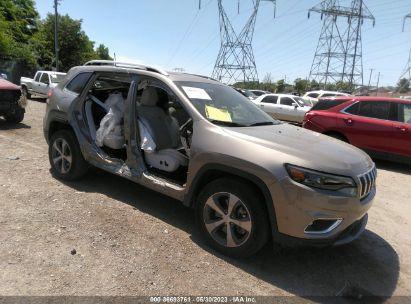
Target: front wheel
[
  {"x": 66, "y": 159},
  {"x": 232, "y": 217}
]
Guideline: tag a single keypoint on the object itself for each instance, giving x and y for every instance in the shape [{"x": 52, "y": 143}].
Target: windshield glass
[
  {"x": 223, "y": 105},
  {"x": 249, "y": 94},
  {"x": 303, "y": 102},
  {"x": 56, "y": 78}
]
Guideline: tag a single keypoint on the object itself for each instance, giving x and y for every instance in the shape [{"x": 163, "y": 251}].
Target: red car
[
  {"x": 12, "y": 102},
  {"x": 380, "y": 126}
]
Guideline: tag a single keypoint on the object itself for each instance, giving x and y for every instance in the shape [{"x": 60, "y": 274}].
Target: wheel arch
[
  {"x": 334, "y": 133},
  {"x": 212, "y": 172},
  {"x": 57, "y": 125}
]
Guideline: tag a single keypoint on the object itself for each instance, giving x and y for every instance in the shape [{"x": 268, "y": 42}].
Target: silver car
[
  {"x": 247, "y": 176},
  {"x": 284, "y": 106}
]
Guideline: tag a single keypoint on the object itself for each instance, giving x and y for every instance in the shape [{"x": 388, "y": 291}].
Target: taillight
[{"x": 50, "y": 93}]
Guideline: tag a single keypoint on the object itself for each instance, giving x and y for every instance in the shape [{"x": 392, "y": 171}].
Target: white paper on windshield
[{"x": 196, "y": 93}]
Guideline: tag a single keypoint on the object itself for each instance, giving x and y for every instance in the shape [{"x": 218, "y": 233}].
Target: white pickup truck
[{"x": 41, "y": 84}]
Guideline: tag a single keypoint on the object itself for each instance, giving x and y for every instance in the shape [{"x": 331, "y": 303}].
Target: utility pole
[
  {"x": 56, "y": 35},
  {"x": 369, "y": 81},
  {"x": 235, "y": 60},
  {"x": 407, "y": 71},
  {"x": 338, "y": 56},
  {"x": 378, "y": 83}
]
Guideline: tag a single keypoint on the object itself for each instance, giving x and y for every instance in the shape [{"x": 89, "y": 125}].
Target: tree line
[
  {"x": 298, "y": 86},
  {"x": 29, "y": 40}
]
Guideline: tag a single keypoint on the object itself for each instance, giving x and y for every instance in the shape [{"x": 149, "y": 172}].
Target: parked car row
[{"x": 197, "y": 142}]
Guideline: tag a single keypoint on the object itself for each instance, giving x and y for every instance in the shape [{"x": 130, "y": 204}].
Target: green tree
[
  {"x": 18, "y": 22},
  {"x": 301, "y": 85},
  {"x": 281, "y": 86},
  {"x": 403, "y": 85},
  {"x": 75, "y": 47},
  {"x": 103, "y": 52}
]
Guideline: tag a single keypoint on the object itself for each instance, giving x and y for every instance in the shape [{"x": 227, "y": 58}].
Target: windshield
[
  {"x": 303, "y": 102},
  {"x": 249, "y": 94},
  {"x": 56, "y": 78},
  {"x": 223, "y": 105}
]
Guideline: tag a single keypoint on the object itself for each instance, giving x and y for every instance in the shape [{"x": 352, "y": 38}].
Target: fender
[{"x": 196, "y": 185}]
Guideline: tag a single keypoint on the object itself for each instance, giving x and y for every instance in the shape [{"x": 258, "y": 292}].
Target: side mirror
[{"x": 295, "y": 105}]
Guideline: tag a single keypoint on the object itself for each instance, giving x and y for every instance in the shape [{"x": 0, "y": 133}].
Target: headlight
[{"x": 314, "y": 179}]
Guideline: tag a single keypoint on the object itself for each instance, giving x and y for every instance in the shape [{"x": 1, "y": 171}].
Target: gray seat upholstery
[{"x": 164, "y": 130}]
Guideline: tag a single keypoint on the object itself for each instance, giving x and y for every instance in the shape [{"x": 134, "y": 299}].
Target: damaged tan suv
[{"x": 249, "y": 178}]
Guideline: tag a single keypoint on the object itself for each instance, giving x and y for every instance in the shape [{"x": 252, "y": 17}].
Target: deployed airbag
[{"x": 110, "y": 132}]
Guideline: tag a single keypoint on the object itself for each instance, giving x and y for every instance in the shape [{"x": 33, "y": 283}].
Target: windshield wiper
[
  {"x": 264, "y": 123},
  {"x": 226, "y": 123}
]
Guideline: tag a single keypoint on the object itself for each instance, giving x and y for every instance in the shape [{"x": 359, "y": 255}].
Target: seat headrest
[{"x": 150, "y": 97}]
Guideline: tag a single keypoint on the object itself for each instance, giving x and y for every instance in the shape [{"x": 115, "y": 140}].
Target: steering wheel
[{"x": 186, "y": 134}]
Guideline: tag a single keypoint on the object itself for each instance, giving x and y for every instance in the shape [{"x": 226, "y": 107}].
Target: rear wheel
[
  {"x": 232, "y": 218},
  {"x": 66, "y": 159},
  {"x": 15, "y": 117}
]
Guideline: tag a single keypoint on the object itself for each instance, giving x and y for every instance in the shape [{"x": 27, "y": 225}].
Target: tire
[
  {"x": 247, "y": 208},
  {"x": 72, "y": 166},
  {"x": 26, "y": 93},
  {"x": 16, "y": 117}
]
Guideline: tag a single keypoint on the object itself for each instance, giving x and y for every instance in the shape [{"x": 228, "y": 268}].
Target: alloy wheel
[
  {"x": 61, "y": 155},
  {"x": 227, "y": 219}
]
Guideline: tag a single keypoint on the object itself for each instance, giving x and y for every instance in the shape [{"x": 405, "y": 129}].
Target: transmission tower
[
  {"x": 338, "y": 56},
  {"x": 235, "y": 61},
  {"x": 407, "y": 71}
]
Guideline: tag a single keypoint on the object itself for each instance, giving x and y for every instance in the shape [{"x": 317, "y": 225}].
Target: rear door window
[
  {"x": 353, "y": 109},
  {"x": 77, "y": 84},
  {"x": 270, "y": 99},
  {"x": 313, "y": 95},
  {"x": 286, "y": 101},
  {"x": 375, "y": 109}
]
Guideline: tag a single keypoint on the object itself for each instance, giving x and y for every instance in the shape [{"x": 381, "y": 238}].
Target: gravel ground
[{"x": 131, "y": 241}]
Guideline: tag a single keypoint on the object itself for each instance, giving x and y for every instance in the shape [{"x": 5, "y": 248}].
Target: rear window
[
  {"x": 375, "y": 109},
  {"x": 77, "y": 84},
  {"x": 326, "y": 104}
]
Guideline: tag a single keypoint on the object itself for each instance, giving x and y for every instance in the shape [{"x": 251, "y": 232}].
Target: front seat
[{"x": 163, "y": 130}]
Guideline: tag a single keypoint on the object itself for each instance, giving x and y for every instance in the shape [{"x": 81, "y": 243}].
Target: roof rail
[
  {"x": 125, "y": 65},
  {"x": 202, "y": 76}
]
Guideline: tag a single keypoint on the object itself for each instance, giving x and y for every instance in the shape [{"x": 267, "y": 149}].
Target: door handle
[
  {"x": 349, "y": 121},
  {"x": 262, "y": 106}
]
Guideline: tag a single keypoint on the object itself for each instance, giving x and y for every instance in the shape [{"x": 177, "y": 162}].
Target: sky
[{"x": 176, "y": 34}]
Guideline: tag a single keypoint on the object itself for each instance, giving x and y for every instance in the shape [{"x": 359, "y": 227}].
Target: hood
[
  {"x": 307, "y": 149},
  {"x": 7, "y": 85}
]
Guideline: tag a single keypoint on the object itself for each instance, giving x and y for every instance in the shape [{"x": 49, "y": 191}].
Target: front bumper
[
  {"x": 298, "y": 206},
  {"x": 350, "y": 234}
]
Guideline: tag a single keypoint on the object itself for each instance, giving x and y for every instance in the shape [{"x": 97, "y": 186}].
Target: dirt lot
[{"x": 132, "y": 241}]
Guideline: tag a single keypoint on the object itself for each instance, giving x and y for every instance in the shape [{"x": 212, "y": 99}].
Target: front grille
[{"x": 367, "y": 182}]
